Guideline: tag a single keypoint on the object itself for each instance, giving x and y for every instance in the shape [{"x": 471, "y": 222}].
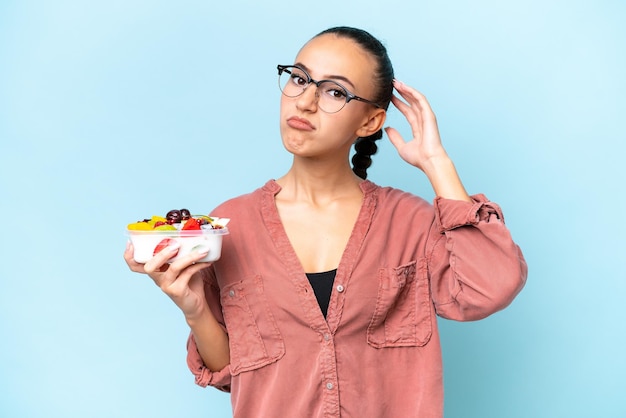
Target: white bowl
[{"x": 146, "y": 242}]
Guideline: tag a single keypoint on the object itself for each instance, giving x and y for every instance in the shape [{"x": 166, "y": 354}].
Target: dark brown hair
[{"x": 365, "y": 147}]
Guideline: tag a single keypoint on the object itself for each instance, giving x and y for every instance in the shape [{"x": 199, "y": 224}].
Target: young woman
[{"x": 324, "y": 301}]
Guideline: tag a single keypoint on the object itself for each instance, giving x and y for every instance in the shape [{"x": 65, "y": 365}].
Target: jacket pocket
[
  {"x": 254, "y": 337},
  {"x": 403, "y": 313}
]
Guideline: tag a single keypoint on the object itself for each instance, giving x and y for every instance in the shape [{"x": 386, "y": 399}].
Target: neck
[{"x": 314, "y": 181}]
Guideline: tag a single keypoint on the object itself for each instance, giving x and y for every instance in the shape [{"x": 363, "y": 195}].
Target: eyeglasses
[{"x": 331, "y": 96}]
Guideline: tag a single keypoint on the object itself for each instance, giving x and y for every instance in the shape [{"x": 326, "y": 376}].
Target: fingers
[
  {"x": 412, "y": 109},
  {"x": 425, "y": 142},
  {"x": 175, "y": 274},
  {"x": 394, "y": 137},
  {"x": 416, "y": 110},
  {"x": 411, "y": 95},
  {"x": 416, "y": 100},
  {"x": 186, "y": 264},
  {"x": 411, "y": 113},
  {"x": 181, "y": 284},
  {"x": 161, "y": 258}
]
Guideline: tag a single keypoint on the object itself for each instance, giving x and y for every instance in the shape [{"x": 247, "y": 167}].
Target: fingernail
[{"x": 173, "y": 247}]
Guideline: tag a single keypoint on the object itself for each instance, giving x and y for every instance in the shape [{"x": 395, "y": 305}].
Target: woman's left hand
[
  {"x": 425, "y": 150},
  {"x": 425, "y": 147}
]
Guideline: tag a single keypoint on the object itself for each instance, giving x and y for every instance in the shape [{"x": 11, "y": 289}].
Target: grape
[
  {"x": 185, "y": 214},
  {"x": 173, "y": 216}
]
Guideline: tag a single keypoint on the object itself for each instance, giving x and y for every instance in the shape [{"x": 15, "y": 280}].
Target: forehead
[{"x": 329, "y": 55}]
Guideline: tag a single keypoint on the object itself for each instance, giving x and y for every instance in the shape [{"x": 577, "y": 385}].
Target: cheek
[
  {"x": 285, "y": 104},
  {"x": 343, "y": 126},
  {"x": 283, "y": 113}
]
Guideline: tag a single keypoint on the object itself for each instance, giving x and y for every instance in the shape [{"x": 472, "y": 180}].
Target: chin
[{"x": 295, "y": 144}]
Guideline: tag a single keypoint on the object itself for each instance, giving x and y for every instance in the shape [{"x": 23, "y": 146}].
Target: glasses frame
[{"x": 349, "y": 95}]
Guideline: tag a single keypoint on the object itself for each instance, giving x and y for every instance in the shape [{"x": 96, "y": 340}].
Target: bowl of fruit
[{"x": 178, "y": 226}]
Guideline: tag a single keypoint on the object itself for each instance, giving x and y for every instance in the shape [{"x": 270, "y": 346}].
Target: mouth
[{"x": 300, "y": 124}]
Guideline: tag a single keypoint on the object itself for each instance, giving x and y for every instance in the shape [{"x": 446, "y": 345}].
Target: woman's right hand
[{"x": 180, "y": 280}]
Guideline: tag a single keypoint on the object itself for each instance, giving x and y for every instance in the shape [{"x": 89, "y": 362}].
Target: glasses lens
[
  {"x": 292, "y": 81},
  {"x": 332, "y": 97}
]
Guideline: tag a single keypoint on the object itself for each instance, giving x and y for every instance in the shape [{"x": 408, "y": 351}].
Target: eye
[
  {"x": 333, "y": 91},
  {"x": 298, "y": 78}
]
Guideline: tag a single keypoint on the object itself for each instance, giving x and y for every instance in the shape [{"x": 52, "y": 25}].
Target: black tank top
[{"x": 322, "y": 284}]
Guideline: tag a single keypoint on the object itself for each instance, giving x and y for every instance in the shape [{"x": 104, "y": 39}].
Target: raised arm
[{"x": 475, "y": 267}]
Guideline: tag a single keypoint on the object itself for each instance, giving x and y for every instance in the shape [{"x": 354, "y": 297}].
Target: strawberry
[
  {"x": 165, "y": 242},
  {"x": 191, "y": 224}
]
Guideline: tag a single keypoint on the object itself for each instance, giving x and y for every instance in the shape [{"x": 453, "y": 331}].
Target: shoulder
[
  {"x": 400, "y": 216},
  {"x": 391, "y": 197}
]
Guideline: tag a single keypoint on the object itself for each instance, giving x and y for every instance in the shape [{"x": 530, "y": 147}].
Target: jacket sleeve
[
  {"x": 203, "y": 376},
  {"x": 475, "y": 268}
]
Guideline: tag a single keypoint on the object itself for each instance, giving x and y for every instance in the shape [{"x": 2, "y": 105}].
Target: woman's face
[{"x": 307, "y": 130}]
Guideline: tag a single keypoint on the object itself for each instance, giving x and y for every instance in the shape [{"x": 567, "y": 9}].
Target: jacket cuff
[
  {"x": 203, "y": 376},
  {"x": 451, "y": 214}
]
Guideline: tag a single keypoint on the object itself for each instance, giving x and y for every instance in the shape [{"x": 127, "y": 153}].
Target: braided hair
[{"x": 365, "y": 147}]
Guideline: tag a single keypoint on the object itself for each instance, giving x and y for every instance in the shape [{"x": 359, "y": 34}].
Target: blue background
[{"x": 115, "y": 110}]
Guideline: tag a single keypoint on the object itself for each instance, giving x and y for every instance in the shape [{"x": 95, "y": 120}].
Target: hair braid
[{"x": 365, "y": 147}]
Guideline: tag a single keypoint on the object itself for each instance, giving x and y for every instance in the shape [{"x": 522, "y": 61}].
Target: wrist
[
  {"x": 201, "y": 316},
  {"x": 444, "y": 178},
  {"x": 436, "y": 165}
]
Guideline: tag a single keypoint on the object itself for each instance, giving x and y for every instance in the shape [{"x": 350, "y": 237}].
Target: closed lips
[{"x": 300, "y": 123}]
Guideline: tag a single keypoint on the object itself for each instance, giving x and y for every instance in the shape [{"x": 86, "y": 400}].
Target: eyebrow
[{"x": 335, "y": 77}]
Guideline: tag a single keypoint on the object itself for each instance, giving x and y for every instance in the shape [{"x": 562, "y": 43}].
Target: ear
[{"x": 373, "y": 123}]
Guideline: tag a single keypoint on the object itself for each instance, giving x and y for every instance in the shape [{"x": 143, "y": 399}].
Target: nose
[{"x": 309, "y": 98}]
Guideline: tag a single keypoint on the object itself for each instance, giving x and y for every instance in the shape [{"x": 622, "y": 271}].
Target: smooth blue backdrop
[{"x": 115, "y": 110}]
